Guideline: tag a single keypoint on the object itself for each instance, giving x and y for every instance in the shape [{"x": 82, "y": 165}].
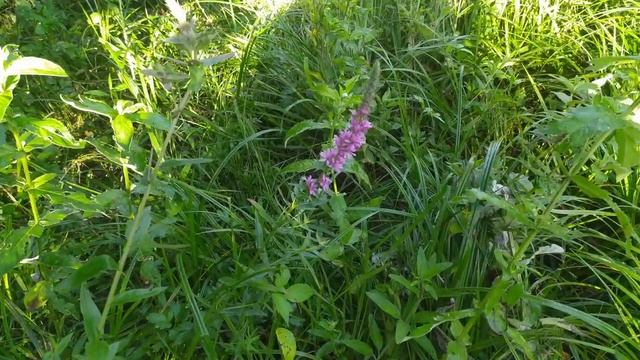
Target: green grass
[{"x": 493, "y": 214}]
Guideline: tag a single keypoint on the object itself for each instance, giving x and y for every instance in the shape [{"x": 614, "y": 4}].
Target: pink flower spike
[
  {"x": 334, "y": 158},
  {"x": 312, "y": 185},
  {"x": 325, "y": 183}
]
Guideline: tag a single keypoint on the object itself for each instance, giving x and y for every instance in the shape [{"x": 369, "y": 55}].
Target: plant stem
[
  {"x": 27, "y": 178},
  {"x": 175, "y": 115},
  {"x": 125, "y": 175}
]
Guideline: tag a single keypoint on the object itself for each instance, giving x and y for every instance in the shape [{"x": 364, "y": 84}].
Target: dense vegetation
[{"x": 155, "y": 174}]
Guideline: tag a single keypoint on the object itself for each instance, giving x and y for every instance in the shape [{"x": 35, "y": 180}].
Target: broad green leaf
[
  {"x": 287, "y": 342},
  {"x": 217, "y": 59},
  {"x": 522, "y": 343},
  {"x": 108, "y": 152},
  {"x": 456, "y": 350},
  {"x": 298, "y": 293},
  {"x": 8, "y": 154},
  {"x": 514, "y": 294},
  {"x": 135, "y": 295},
  {"x": 628, "y": 154},
  {"x": 90, "y": 314},
  {"x": 402, "y": 329},
  {"x": 282, "y": 279},
  {"x": 282, "y": 306},
  {"x": 36, "y": 297},
  {"x": 301, "y": 166},
  {"x": 374, "y": 333},
  {"x": 34, "y": 66},
  {"x": 122, "y": 130},
  {"x": 606, "y": 61},
  {"x": 150, "y": 119},
  {"x": 303, "y": 126},
  {"x": 497, "y": 319},
  {"x": 384, "y": 303},
  {"x": 11, "y": 256},
  {"x": 90, "y": 105},
  {"x": 5, "y": 99},
  {"x": 100, "y": 350},
  {"x": 359, "y": 346},
  {"x": 583, "y": 122},
  {"x": 92, "y": 268}
]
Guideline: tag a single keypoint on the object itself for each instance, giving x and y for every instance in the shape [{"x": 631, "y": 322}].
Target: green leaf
[
  {"x": 589, "y": 188},
  {"x": 303, "y": 126},
  {"x": 92, "y": 268},
  {"x": 55, "y": 132},
  {"x": 29, "y": 65},
  {"x": 287, "y": 342},
  {"x": 354, "y": 167},
  {"x": 456, "y": 350},
  {"x": 384, "y": 304},
  {"x": 583, "y": 122},
  {"x": 136, "y": 295},
  {"x": 606, "y": 61},
  {"x": 150, "y": 119},
  {"x": 5, "y": 99},
  {"x": 42, "y": 179},
  {"x": 514, "y": 294},
  {"x": 122, "y": 130},
  {"x": 402, "y": 329},
  {"x": 359, "y": 346},
  {"x": 36, "y": 297},
  {"x": 298, "y": 293},
  {"x": 217, "y": 59},
  {"x": 282, "y": 306},
  {"x": 374, "y": 333},
  {"x": 90, "y": 105},
  {"x": 628, "y": 155},
  {"x": 90, "y": 314},
  {"x": 100, "y": 350},
  {"x": 10, "y": 257},
  {"x": 497, "y": 319},
  {"x": 301, "y": 166}
]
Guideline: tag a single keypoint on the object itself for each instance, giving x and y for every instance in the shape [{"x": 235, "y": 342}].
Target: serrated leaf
[
  {"x": 303, "y": 126},
  {"x": 135, "y": 295},
  {"x": 384, "y": 304},
  {"x": 30, "y": 65},
  {"x": 90, "y": 314},
  {"x": 359, "y": 346},
  {"x": 298, "y": 293},
  {"x": 287, "y": 342},
  {"x": 590, "y": 189}
]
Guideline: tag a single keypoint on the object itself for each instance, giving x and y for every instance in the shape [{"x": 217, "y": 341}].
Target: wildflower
[
  {"x": 349, "y": 140},
  {"x": 325, "y": 183},
  {"x": 312, "y": 185}
]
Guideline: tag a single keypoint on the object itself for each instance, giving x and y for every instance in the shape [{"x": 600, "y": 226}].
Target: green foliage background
[{"x": 493, "y": 213}]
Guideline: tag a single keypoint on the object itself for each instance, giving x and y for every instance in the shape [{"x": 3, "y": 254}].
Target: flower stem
[
  {"x": 24, "y": 163},
  {"x": 130, "y": 236}
]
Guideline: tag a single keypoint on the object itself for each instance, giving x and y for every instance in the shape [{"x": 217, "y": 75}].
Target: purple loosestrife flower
[
  {"x": 349, "y": 140},
  {"x": 325, "y": 183},
  {"x": 312, "y": 185}
]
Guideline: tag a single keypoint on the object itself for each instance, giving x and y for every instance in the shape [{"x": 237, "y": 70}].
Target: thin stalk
[
  {"x": 125, "y": 175},
  {"x": 175, "y": 115},
  {"x": 24, "y": 163}
]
